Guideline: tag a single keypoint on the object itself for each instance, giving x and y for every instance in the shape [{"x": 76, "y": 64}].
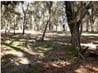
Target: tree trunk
[
  {"x": 74, "y": 29},
  {"x": 81, "y": 28},
  {"x": 74, "y": 26},
  {"x": 92, "y": 23},
  {"x": 63, "y": 27},
  {"x": 45, "y": 30},
  {"x": 50, "y": 27},
  {"x": 56, "y": 28},
  {"x": 14, "y": 28},
  {"x": 48, "y": 5},
  {"x": 87, "y": 25},
  {"x": 75, "y": 38},
  {"x": 5, "y": 28},
  {"x": 23, "y": 30},
  {"x": 24, "y": 25}
]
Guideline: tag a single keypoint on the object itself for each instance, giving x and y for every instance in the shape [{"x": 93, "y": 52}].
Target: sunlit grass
[
  {"x": 16, "y": 43},
  {"x": 7, "y": 41},
  {"x": 43, "y": 47}
]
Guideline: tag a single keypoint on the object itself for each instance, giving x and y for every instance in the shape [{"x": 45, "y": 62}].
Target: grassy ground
[{"x": 25, "y": 54}]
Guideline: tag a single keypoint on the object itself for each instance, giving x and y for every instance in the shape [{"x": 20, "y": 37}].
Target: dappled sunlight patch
[
  {"x": 96, "y": 41},
  {"x": 89, "y": 66},
  {"x": 92, "y": 66},
  {"x": 90, "y": 45},
  {"x": 14, "y": 52},
  {"x": 86, "y": 69},
  {"x": 41, "y": 55},
  {"x": 23, "y": 60},
  {"x": 81, "y": 69},
  {"x": 21, "y": 40},
  {"x": 4, "y": 48},
  {"x": 16, "y": 63},
  {"x": 67, "y": 43},
  {"x": 16, "y": 43},
  {"x": 7, "y": 41},
  {"x": 89, "y": 34},
  {"x": 29, "y": 51},
  {"x": 41, "y": 49},
  {"x": 57, "y": 64},
  {"x": 13, "y": 43},
  {"x": 47, "y": 38},
  {"x": 49, "y": 52}
]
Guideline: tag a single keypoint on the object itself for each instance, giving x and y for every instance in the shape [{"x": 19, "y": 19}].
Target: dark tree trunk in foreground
[
  {"x": 74, "y": 29},
  {"x": 75, "y": 38},
  {"x": 74, "y": 26}
]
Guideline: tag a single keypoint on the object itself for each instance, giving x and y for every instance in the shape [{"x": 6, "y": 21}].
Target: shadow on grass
[
  {"x": 17, "y": 49},
  {"x": 47, "y": 46},
  {"x": 6, "y": 59},
  {"x": 59, "y": 67},
  {"x": 53, "y": 49}
]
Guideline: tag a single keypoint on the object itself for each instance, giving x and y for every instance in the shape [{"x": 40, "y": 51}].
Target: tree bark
[
  {"x": 49, "y": 5},
  {"x": 87, "y": 26},
  {"x": 15, "y": 25},
  {"x": 45, "y": 30},
  {"x": 74, "y": 26},
  {"x": 75, "y": 38},
  {"x": 14, "y": 28},
  {"x": 24, "y": 25},
  {"x": 5, "y": 27},
  {"x": 24, "y": 22}
]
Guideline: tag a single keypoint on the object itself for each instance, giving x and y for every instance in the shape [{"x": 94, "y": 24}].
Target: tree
[
  {"x": 75, "y": 13},
  {"x": 8, "y": 14},
  {"x": 49, "y": 5},
  {"x": 25, "y": 10}
]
